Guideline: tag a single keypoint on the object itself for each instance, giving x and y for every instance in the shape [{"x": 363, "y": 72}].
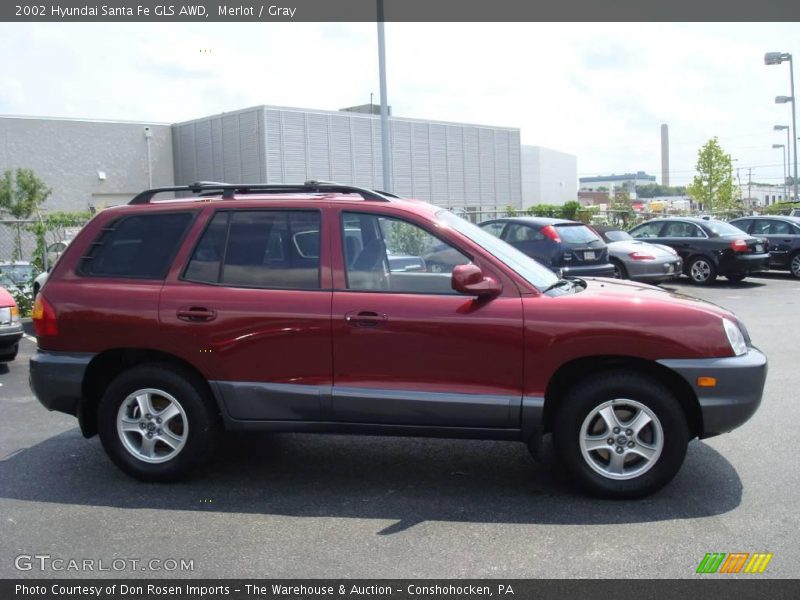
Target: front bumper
[
  {"x": 56, "y": 379},
  {"x": 737, "y": 395},
  {"x": 654, "y": 270},
  {"x": 10, "y": 335}
]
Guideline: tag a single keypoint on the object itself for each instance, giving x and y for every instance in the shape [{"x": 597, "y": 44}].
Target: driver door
[{"x": 407, "y": 348}]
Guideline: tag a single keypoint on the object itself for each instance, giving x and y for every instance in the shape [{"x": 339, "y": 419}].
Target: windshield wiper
[{"x": 558, "y": 283}]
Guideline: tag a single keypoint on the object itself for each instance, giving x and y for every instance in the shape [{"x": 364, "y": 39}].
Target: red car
[{"x": 276, "y": 308}]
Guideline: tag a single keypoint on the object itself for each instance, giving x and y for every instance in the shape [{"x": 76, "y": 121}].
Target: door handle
[
  {"x": 196, "y": 314},
  {"x": 365, "y": 318}
]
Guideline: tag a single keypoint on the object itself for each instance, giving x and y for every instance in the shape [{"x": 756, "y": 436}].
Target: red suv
[{"x": 312, "y": 308}]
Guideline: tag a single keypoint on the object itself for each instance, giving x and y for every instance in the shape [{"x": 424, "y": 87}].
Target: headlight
[{"x": 735, "y": 337}]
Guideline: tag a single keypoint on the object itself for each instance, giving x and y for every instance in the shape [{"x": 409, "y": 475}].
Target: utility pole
[
  {"x": 749, "y": 183},
  {"x": 387, "y": 165}
]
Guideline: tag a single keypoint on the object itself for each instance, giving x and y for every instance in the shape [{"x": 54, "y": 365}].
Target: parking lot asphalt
[{"x": 290, "y": 505}]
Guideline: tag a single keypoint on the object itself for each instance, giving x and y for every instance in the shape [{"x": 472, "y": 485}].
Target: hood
[{"x": 631, "y": 292}]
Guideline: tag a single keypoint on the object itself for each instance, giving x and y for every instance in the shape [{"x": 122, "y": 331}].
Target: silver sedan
[{"x": 634, "y": 259}]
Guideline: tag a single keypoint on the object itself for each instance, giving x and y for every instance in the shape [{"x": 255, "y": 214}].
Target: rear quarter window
[{"x": 139, "y": 246}]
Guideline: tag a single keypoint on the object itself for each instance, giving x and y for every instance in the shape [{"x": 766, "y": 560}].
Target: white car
[{"x": 54, "y": 252}]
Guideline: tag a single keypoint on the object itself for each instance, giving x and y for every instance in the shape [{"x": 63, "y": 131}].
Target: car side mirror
[{"x": 469, "y": 279}]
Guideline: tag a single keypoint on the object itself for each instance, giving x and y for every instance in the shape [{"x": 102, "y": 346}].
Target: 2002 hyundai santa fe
[{"x": 310, "y": 308}]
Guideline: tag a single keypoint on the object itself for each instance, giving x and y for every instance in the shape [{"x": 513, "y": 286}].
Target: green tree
[
  {"x": 570, "y": 209},
  {"x": 713, "y": 186},
  {"x": 620, "y": 209},
  {"x": 511, "y": 211},
  {"x": 407, "y": 239},
  {"x": 21, "y": 196}
]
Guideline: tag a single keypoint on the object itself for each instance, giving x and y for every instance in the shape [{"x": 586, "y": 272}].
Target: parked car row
[{"x": 659, "y": 249}]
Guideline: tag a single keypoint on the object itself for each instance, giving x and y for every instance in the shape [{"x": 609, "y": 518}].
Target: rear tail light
[
  {"x": 44, "y": 317},
  {"x": 641, "y": 256},
  {"x": 739, "y": 246},
  {"x": 550, "y": 233}
]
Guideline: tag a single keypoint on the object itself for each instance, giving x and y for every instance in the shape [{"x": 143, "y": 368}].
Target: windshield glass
[
  {"x": 720, "y": 228},
  {"x": 617, "y": 236},
  {"x": 534, "y": 273}
]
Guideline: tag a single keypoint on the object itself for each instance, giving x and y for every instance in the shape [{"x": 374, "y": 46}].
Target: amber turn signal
[{"x": 706, "y": 381}]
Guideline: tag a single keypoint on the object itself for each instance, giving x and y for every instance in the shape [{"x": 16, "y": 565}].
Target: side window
[
  {"x": 259, "y": 249},
  {"x": 648, "y": 230},
  {"x": 522, "y": 233},
  {"x": 388, "y": 254},
  {"x": 140, "y": 246},
  {"x": 496, "y": 228},
  {"x": 680, "y": 229},
  {"x": 779, "y": 228},
  {"x": 761, "y": 227},
  {"x": 743, "y": 224}
]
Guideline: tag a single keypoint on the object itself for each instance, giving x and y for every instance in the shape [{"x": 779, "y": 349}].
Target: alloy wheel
[
  {"x": 700, "y": 271},
  {"x": 621, "y": 439},
  {"x": 152, "y": 425}
]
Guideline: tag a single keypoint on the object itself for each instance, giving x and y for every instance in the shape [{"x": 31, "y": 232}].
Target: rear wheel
[
  {"x": 702, "y": 270},
  {"x": 794, "y": 264},
  {"x": 620, "y": 435},
  {"x": 158, "y": 423},
  {"x": 620, "y": 272}
]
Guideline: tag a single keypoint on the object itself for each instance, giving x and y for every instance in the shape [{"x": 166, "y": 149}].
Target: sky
[{"x": 597, "y": 90}]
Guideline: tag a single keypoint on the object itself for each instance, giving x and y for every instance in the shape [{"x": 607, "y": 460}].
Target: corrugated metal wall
[{"x": 448, "y": 164}]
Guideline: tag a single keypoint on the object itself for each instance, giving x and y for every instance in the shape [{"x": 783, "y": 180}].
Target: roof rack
[{"x": 229, "y": 190}]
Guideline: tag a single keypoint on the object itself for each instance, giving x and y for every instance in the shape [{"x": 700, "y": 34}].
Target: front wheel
[
  {"x": 158, "y": 423},
  {"x": 620, "y": 435},
  {"x": 702, "y": 270}
]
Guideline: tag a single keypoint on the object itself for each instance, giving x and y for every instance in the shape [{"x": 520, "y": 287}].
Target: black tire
[
  {"x": 584, "y": 398},
  {"x": 620, "y": 272},
  {"x": 702, "y": 270},
  {"x": 199, "y": 410},
  {"x": 9, "y": 356},
  {"x": 794, "y": 264},
  {"x": 735, "y": 278}
]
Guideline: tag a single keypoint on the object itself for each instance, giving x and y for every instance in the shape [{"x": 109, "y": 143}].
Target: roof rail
[{"x": 229, "y": 190}]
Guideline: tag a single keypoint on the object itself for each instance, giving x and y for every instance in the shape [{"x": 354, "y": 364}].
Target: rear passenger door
[{"x": 250, "y": 306}]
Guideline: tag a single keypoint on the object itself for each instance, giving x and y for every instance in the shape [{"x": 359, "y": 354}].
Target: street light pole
[
  {"x": 776, "y": 58},
  {"x": 387, "y": 168},
  {"x": 787, "y": 169},
  {"x": 785, "y": 191}
]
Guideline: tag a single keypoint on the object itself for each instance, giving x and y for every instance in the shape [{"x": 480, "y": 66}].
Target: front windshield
[{"x": 534, "y": 273}]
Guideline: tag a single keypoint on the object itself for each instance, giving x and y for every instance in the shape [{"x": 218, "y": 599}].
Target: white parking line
[{"x": 30, "y": 338}]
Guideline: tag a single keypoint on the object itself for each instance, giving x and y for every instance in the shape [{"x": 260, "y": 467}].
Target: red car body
[{"x": 337, "y": 359}]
